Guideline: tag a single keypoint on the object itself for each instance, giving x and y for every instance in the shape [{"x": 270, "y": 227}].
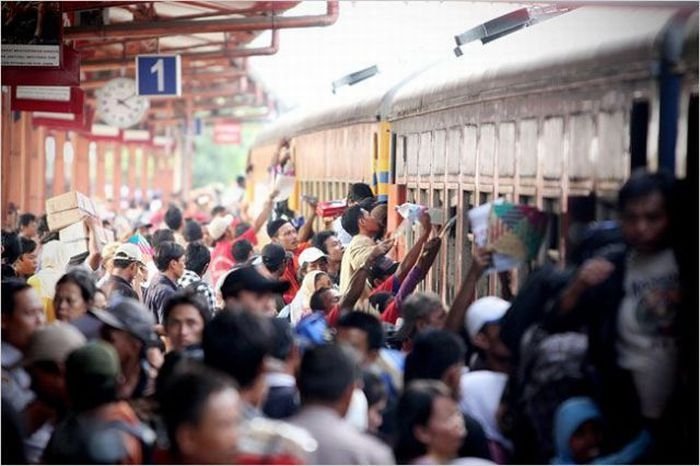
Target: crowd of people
[{"x": 188, "y": 341}]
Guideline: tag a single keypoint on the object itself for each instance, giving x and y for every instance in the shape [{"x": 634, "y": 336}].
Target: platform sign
[
  {"x": 227, "y": 133},
  {"x": 158, "y": 75}
]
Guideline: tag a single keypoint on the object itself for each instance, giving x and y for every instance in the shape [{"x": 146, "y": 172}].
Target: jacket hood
[{"x": 569, "y": 417}]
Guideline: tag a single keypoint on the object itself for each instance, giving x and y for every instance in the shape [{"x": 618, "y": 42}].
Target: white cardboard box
[{"x": 68, "y": 201}]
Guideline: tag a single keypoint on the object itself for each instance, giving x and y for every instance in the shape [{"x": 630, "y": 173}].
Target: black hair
[
  {"x": 236, "y": 342},
  {"x": 27, "y": 245},
  {"x": 414, "y": 409},
  {"x": 11, "y": 246},
  {"x": 381, "y": 300},
  {"x": 197, "y": 257},
  {"x": 185, "y": 396},
  {"x": 241, "y": 250},
  {"x": 326, "y": 373},
  {"x": 186, "y": 297},
  {"x": 173, "y": 218},
  {"x": 351, "y": 219},
  {"x": 283, "y": 339},
  {"x": 240, "y": 179},
  {"x": 122, "y": 263},
  {"x": 219, "y": 209},
  {"x": 434, "y": 351},
  {"x": 274, "y": 226},
  {"x": 373, "y": 387},
  {"x": 320, "y": 238},
  {"x": 240, "y": 229},
  {"x": 43, "y": 227},
  {"x": 168, "y": 251},
  {"x": 82, "y": 280},
  {"x": 11, "y": 287},
  {"x": 316, "y": 302},
  {"x": 193, "y": 231},
  {"x": 161, "y": 236},
  {"x": 368, "y": 324},
  {"x": 26, "y": 218},
  {"x": 359, "y": 191},
  {"x": 642, "y": 183}
]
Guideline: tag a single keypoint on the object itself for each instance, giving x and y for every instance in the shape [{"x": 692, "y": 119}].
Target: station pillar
[
  {"x": 37, "y": 170},
  {"x": 81, "y": 164},
  {"x": 59, "y": 172},
  {"x": 100, "y": 175},
  {"x": 117, "y": 178},
  {"x": 131, "y": 170}
]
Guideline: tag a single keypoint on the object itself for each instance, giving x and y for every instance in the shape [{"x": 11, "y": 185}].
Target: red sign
[
  {"x": 47, "y": 99},
  {"x": 67, "y": 75},
  {"x": 76, "y": 121},
  {"x": 227, "y": 133}
]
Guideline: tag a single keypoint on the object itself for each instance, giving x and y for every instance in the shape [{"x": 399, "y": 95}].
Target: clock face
[{"x": 118, "y": 105}]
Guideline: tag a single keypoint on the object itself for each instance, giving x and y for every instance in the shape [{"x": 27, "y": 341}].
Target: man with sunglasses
[{"x": 128, "y": 263}]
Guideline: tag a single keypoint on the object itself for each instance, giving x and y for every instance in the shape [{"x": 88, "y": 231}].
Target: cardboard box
[
  {"x": 75, "y": 248},
  {"x": 70, "y": 200},
  {"x": 73, "y": 232},
  {"x": 59, "y": 220}
]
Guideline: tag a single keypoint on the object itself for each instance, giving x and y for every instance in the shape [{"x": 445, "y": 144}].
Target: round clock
[{"x": 118, "y": 105}]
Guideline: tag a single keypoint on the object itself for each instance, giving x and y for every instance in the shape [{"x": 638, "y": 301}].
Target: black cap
[
  {"x": 273, "y": 255},
  {"x": 249, "y": 279},
  {"x": 131, "y": 316},
  {"x": 382, "y": 267}
]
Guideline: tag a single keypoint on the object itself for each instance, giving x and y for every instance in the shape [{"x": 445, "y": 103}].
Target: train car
[{"x": 556, "y": 115}]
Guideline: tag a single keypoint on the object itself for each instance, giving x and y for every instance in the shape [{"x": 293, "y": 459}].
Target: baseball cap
[
  {"x": 310, "y": 255},
  {"x": 383, "y": 266},
  {"x": 486, "y": 310},
  {"x": 130, "y": 252},
  {"x": 94, "y": 359},
  {"x": 249, "y": 279},
  {"x": 131, "y": 316},
  {"x": 217, "y": 227},
  {"x": 273, "y": 255},
  {"x": 53, "y": 343}
]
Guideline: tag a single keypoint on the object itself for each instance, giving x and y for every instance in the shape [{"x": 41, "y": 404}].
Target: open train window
[
  {"x": 465, "y": 233},
  {"x": 551, "y": 243},
  {"x": 436, "y": 270},
  {"x": 450, "y": 247},
  {"x": 639, "y": 127},
  {"x": 526, "y": 200},
  {"x": 393, "y": 169},
  {"x": 691, "y": 158}
]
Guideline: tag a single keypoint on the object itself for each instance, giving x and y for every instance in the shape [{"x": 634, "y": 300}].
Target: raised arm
[
  {"x": 95, "y": 252},
  {"x": 465, "y": 295},
  {"x": 414, "y": 253},
  {"x": 593, "y": 272},
  {"x": 265, "y": 214},
  {"x": 359, "y": 277},
  {"x": 308, "y": 228}
]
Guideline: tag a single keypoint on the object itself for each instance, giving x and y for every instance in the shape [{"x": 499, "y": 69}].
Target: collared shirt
[
  {"x": 157, "y": 294},
  {"x": 116, "y": 285},
  {"x": 202, "y": 288},
  {"x": 355, "y": 257},
  {"x": 16, "y": 382}
]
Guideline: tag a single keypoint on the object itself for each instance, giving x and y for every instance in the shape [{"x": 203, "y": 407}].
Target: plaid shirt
[{"x": 203, "y": 289}]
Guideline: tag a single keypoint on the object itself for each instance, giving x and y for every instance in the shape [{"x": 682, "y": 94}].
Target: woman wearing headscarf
[
  {"x": 301, "y": 304},
  {"x": 54, "y": 260}
]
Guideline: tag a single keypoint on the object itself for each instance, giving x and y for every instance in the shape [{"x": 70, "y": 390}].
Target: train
[{"x": 555, "y": 115}]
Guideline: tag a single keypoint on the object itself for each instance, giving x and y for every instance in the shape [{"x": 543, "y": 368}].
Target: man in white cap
[
  {"x": 312, "y": 259},
  {"x": 483, "y": 327},
  {"x": 128, "y": 263}
]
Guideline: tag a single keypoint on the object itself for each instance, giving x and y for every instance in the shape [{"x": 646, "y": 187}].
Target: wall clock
[{"x": 119, "y": 105}]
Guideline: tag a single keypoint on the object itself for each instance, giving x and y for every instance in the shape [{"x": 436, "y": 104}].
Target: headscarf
[
  {"x": 54, "y": 260},
  {"x": 301, "y": 304}
]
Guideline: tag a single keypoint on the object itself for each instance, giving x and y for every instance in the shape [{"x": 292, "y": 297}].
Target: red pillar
[
  {"x": 59, "y": 174},
  {"x": 81, "y": 165},
  {"x": 37, "y": 170}
]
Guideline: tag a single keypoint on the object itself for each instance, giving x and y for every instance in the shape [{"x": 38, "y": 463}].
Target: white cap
[
  {"x": 128, "y": 251},
  {"x": 217, "y": 227},
  {"x": 310, "y": 255},
  {"x": 483, "y": 311}
]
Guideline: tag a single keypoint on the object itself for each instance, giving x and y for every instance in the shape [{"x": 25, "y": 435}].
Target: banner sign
[
  {"x": 63, "y": 99},
  {"x": 67, "y": 75},
  {"x": 32, "y": 34}
]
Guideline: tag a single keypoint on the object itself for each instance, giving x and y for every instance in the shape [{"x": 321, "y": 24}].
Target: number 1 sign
[{"x": 158, "y": 75}]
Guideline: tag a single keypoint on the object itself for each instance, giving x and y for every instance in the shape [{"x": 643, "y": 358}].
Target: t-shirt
[
  {"x": 221, "y": 260},
  {"x": 646, "y": 343},
  {"x": 355, "y": 257}
]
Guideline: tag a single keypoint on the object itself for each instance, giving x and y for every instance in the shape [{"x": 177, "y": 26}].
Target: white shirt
[
  {"x": 646, "y": 343},
  {"x": 343, "y": 236}
]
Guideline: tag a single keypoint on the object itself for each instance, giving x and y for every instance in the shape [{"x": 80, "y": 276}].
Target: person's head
[
  {"x": 45, "y": 359},
  {"x": 237, "y": 342},
  {"x": 313, "y": 259},
  {"x": 218, "y": 211},
  {"x": 240, "y": 228},
  {"x": 329, "y": 244},
  {"x": 483, "y": 326},
  {"x": 275, "y": 258},
  {"x": 376, "y": 393},
  {"x": 220, "y": 228},
  {"x": 11, "y": 247},
  {"x": 380, "y": 214},
  {"x": 193, "y": 231},
  {"x": 358, "y": 192},
  {"x": 197, "y": 258},
  {"x": 27, "y": 262},
  {"x": 363, "y": 332},
  {"x": 127, "y": 261},
  {"x": 241, "y": 250},
  {"x": 28, "y": 225},
  {"x": 92, "y": 375},
  {"x": 246, "y": 287},
  {"x": 436, "y": 355},
  {"x": 161, "y": 236},
  {"x": 100, "y": 299},
  {"x": 356, "y": 220},
  {"x": 173, "y": 218},
  {"x": 74, "y": 296},
  {"x": 184, "y": 316},
  {"x": 421, "y": 311},
  {"x": 284, "y": 347},
  {"x": 643, "y": 205},
  {"x": 578, "y": 431},
  {"x": 324, "y": 299},
  {"x": 283, "y": 233},
  {"x": 327, "y": 377},
  {"x": 382, "y": 268},
  {"x": 201, "y": 410},
  {"x": 429, "y": 422},
  {"x": 381, "y": 300},
  {"x": 240, "y": 181},
  {"x": 170, "y": 259},
  {"x": 22, "y": 313}
]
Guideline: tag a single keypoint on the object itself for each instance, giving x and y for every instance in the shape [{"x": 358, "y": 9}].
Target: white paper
[
  {"x": 285, "y": 185},
  {"x": 479, "y": 221}
]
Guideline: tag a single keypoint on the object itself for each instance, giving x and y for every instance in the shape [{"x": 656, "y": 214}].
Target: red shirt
[
  {"x": 250, "y": 235},
  {"x": 221, "y": 260},
  {"x": 290, "y": 273}
]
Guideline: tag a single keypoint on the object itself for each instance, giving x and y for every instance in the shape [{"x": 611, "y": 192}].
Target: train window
[
  {"x": 606, "y": 208},
  {"x": 50, "y": 166},
  {"x": 424, "y": 200},
  {"x": 437, "y": 268},
  {"x": 639, "y": 128},
  {"x": 526, "y": 200},
  {"x": 611, "y": 146},
  {"x": 553, "y": 145},
  {"x": 528, "y": 148},
  {"x": 469, "y": 151},
  {"x": 412, "y": 155},
  {"x": 392, "y": 168},
  {"x": 487, "y": 143},
  {"x": 465, "y": 242},
  {"x": 451, "y": 251},
  {"x": 484, "y": 198},
  {"x": 454, "y": 141},
  {"x": 582, "y": 135},
  {"x": 482, "y": 288},
  {"x": 439, "y": 146},
  {"x": 425, "y": 153},
  {"x": 691, "y": 158},
  {"x": 506, "y": 149},
  {"x": 552, "y": 208}
]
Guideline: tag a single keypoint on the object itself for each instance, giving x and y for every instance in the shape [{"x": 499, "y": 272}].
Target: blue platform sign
[{"x": 158, "y": 75}]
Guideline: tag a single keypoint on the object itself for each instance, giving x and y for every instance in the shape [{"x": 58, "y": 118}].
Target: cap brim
[{"x": 107, "y": 318}]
